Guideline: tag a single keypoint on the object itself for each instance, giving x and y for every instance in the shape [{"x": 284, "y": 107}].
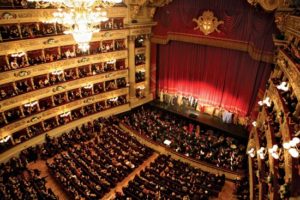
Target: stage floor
[{"x": 236, "y": 131}]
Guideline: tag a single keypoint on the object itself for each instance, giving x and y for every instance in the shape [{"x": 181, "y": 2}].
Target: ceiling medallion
[{"x": 207, "y": 23}]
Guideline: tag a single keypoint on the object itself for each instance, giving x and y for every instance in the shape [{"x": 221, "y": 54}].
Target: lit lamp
[
  {"x": 292, "y": 148},
  {"x": 31, "y": 104},
  {"x": 275, "y": 151},
  {"x": 65, "y": 114},
  {"x": 262, "y": 153},
  {"x": 251, "y": 152},
  {"x": 81, "y": 18},
  {"x": 266, "y": 101},
  {"x": 19, "y": 54},
  {"x": 284, "y": 86},
  {"x": 5, "y": 139}
]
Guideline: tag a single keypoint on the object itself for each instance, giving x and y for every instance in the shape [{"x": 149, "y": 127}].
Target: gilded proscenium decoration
[{"x": 207, "y": 23}]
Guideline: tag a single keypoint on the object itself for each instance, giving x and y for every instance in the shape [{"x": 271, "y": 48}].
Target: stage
[{"x": 236, "y": 131}]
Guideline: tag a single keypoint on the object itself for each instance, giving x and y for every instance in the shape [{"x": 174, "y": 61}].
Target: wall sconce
[
  {"x": 292, "y": 148},
  {"x": 266, "y": 101},
  {"x": 88, "y": 86},
  {"x": 31, "y": 104},
  {"x": 113, "y": 61},
  {"x": 57, "y": 72},
  {"x": 262, "y": 152},
  {"x": 141, "y": 87},
  {"x": 5, "y": 139},
  {"x": 114, "y": 99},
  {"x": 251, "y": 152},
  {"x": 19, "y": 54},
  {"x": 284, "y": 86},
  {"x": 275, "y": 151},
  {"x": 65, "y": 114}
]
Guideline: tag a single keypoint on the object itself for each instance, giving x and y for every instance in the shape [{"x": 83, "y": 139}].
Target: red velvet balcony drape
[{"x": 216, "y": 76}]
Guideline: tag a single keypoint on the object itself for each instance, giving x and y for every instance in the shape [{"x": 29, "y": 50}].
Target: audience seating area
[
  {"x": 91, "y": 169},
  {"x": 167, "y": 178},
  {"x": 90, "y": 160},
  {"x": 242, "y": 189},
  {"x": 19, "y": 183},
  {"x": 187, "y": 137}
]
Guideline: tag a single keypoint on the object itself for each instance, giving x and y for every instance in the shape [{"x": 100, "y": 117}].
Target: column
[
  {"x": 131, "y": 62},
  {"x": 147, "y": 65}
]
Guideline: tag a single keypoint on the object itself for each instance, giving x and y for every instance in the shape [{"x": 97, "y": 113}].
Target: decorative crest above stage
[{"x": 207, "y": 23}]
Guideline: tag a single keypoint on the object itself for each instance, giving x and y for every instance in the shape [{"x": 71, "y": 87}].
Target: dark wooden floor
[{"x": 236, "y": 131}]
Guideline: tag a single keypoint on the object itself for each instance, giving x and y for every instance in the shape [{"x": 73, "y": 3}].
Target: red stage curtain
[
  {"x": 242, "y": 22},
  {"x": 216, "y": 76}
]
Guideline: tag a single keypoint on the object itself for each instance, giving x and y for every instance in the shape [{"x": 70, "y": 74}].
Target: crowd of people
[
  {"x": 61, "y": 98},
  {"x": 91, "y": 169},
  {"x": 51, "y": 123},
  {"x": 242, "y": 189},
  {"x": 12, "y": 32},
  {"x": 140, "y": 76},
  {"x": 167, "y": 178},
  {"x": 186, "y": 137},
  {"x": 18, "y": 182},
  {"x": 41, "y": 56},
  {"x": 140, "y": 59},
  {"x": 90, "y": 160}
]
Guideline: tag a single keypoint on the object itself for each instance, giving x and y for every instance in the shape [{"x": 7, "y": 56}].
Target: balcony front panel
[
  {"x": 54, "y": 41},
  {"x": 18, "y": 74},
  {"x": 62, "y": 87},
  {"x": 28, "y": 121},
  {"x": 42, "y": 15}
]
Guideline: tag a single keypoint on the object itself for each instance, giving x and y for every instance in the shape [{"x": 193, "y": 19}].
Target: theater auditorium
[{"x": 149, "y": 99}]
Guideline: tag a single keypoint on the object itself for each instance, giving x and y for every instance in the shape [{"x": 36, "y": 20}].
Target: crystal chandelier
[{"x": 81, "y": 18}]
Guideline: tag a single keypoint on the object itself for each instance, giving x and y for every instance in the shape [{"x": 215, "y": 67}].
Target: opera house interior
[{"x": 149, "y": 99}]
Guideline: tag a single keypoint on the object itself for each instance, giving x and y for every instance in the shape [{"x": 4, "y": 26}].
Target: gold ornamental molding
[
  {"x": 290, "y": 70},
  {"x": 42, "y": 15},
  {"x": 292, "y": 25},
  {"x": 255, "y": 53},
  {"x": 63, "y": 87},
  {"x": 141, "y": 29},
  {"x": 207, "y": 23},
  {"x": 269, "y": 5},
  {"x": 141, "y": 50},
  {"x": 54, "y": 41},
  {"x": 136, "y": 6},
  {"x": 28, "y": 121},
  {"x": 140, "y": 68},
  {"x": 19, "y": 74}
]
